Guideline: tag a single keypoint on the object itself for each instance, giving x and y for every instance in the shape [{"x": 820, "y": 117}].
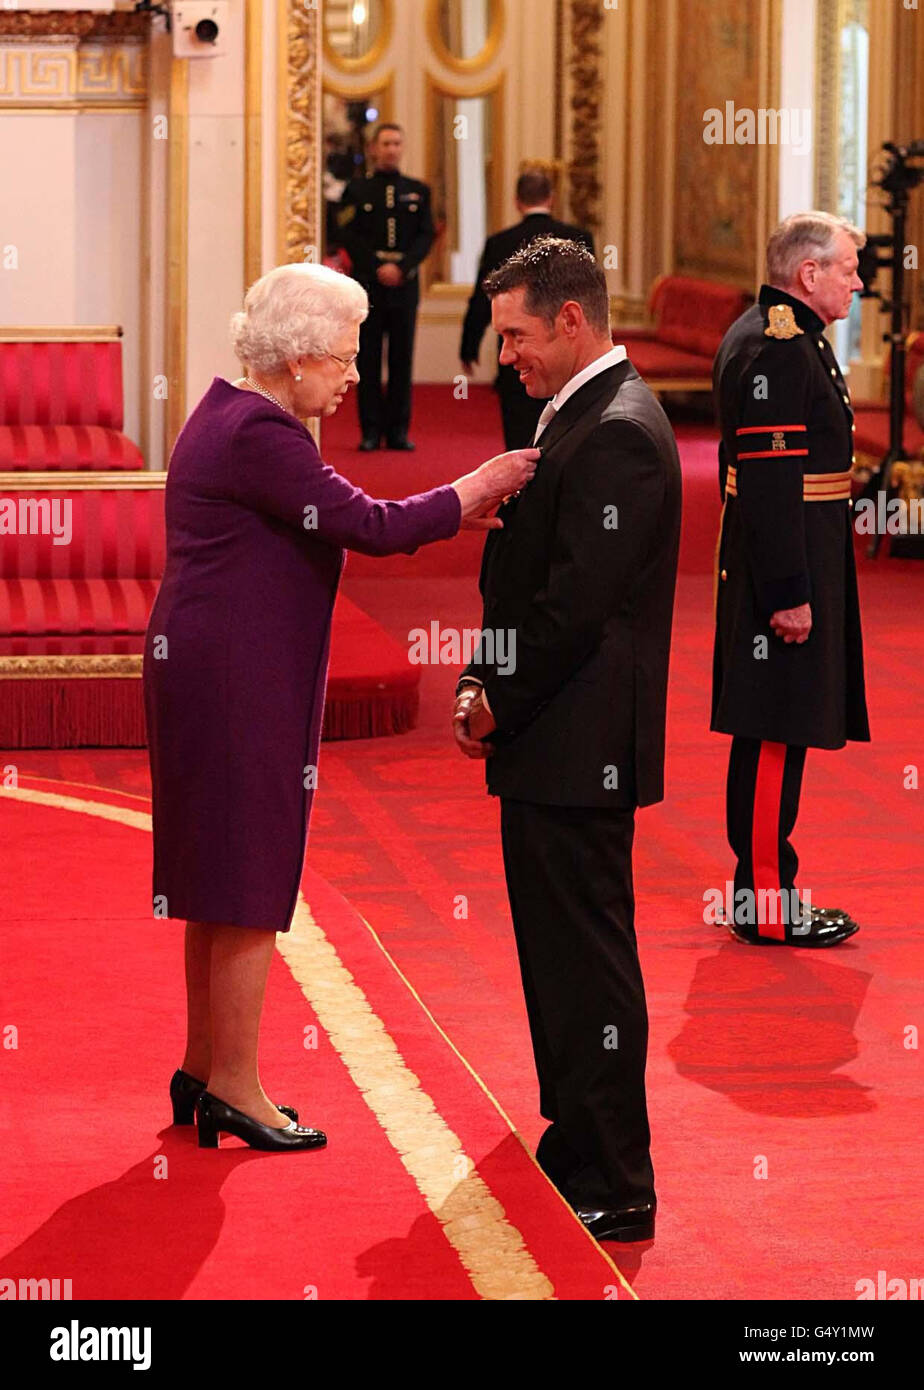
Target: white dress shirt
[{"x": 602, "y": 364}]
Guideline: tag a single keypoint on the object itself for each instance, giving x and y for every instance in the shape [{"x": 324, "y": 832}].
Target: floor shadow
[
  {"x": 769, "y": 1027},
  {"x": 138, "y": 1237}
]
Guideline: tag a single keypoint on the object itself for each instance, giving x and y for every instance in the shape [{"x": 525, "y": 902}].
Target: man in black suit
[
  {"x": 519, "y": 411},
  {"x": 578, "y": 591}
]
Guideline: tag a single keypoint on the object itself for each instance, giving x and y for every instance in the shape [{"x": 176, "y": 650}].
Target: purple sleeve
[{"x": 274, "y": 467}]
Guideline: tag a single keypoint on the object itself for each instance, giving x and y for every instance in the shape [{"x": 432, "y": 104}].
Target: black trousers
[
  {"x": 519, "y": 412},
  {"x": 569, "y": 878},
  {"x": 392, "y": 314},
  {"x": 762, "y": 803}
]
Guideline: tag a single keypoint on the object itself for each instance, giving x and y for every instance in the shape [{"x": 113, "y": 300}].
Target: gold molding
[
  {"x": 298, "y": 134},
  {"x": 253, "y": 141},
  {"x": 93, "y": 76},
  {"x": 47, "y": 480},
  {"x": 585, "y": 58},
  {"x": 384, "y": 86},
  {"x": 177, "y": 248},
  {"x": 492, "y": 86},
  {"x": 479, "y": 60},
  {"x": 559, "y": 96},
  {"x": 368, "y": 60},
  {"x": 41, "y": 333},
  {"x": 125, "y": 666},
  {"x": 86, "y": 26}
]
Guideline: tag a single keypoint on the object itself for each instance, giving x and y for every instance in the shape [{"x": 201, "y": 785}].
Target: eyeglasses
[{"x": 344, "y": 361}]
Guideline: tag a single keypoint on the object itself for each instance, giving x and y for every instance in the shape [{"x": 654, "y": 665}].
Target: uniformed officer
[
  {"x": 788, "y": 663},
  {"x": 385, "y": 224}
]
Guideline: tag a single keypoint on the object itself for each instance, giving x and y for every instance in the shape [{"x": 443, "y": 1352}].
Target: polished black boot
[
  {"x": 401, "y": 443},
  {"x": 368, "y": 443},
  {"x": 185, "y": 1090},
  {"x": 215, "y": 1117},
  {"x": 825, "y": 927},
  {"x": 621, "y": 1223}
]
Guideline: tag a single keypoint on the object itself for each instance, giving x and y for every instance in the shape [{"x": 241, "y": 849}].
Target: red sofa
[
  {"x": 871, "y": 418},
  {"x": 689, "y": 318},
  {"x": 61, "y": 401},
  {"x": 73, "y": 618}
]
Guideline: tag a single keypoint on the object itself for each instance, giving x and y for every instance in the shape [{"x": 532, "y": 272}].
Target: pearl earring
[{"x": 298, "y": 376}]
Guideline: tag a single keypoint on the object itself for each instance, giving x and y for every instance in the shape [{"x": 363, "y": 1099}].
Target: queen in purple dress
[{"x": 235, "y": 665}]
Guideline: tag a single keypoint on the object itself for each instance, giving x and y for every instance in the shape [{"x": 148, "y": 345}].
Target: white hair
[
  {"x": 295, "y": 311},
  {"x": 805, "y": 236}
]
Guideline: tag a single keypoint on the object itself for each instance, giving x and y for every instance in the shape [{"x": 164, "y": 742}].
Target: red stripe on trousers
[{"x": 765, "y": 832}]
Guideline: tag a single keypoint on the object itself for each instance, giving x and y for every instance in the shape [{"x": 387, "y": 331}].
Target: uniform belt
[
  {"x": 816, "y": 487},
  {"x": 389, "y": 255}
]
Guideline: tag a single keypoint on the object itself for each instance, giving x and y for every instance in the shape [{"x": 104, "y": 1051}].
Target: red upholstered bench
[
  {"x": 689, "y": 318},
  {"x": 871, "y": 418},
  {"x": 73, "y": 618},
  {"x": 61, "y": 401}
]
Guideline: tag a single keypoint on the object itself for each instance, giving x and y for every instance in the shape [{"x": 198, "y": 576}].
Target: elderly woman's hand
[{"x": 501, "y": 477}]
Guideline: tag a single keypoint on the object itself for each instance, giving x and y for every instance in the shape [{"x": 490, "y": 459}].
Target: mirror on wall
[
  {"x": 465, "y": 33},
  {"x": 348, "y": 123},
  {"x": 355, "y": 30},
  {"x": 461, "y": 174}
]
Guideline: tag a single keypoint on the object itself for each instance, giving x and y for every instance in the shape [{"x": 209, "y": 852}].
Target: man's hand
[
  {"x": 470, "y": 722},
  {"x": 793, "y": 624},
  {"x": 389, "y": 274}
]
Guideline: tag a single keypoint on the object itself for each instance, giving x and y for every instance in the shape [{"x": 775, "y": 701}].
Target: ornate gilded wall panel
[
  {"x": 716, "y": 184},
  {"x": 74, "y": 59},
  {"x": 299, "y": 131},
  {"x": 585, "y": 46}
]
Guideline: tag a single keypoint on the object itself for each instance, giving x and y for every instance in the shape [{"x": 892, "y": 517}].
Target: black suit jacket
[
  {"x": 497, "y": 249},
  {"x": 583, "y": 573}
]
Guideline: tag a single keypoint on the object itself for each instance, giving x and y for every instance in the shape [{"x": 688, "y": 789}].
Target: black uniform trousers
[
  {"x": 569, "y": 878},
  {"x": 392, "y": 313},
  {"x": 519, "y": 412},
  {"x": 762, "y": 803}
]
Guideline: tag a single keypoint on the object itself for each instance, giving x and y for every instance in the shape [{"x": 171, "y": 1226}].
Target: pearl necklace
[{"x": 268, "y": 394}]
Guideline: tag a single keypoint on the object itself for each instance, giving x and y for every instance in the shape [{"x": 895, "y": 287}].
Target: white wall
[
  {"x": 797, "y": 92},
  {"x": 215, "y": 255}
]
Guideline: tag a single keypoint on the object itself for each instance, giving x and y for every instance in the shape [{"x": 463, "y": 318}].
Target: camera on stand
[{"x": 897, "y": 178}]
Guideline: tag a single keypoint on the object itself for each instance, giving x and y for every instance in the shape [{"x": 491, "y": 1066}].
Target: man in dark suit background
[
  {"x": 578, "y": 591},
  {"x": 519, "y": 411}
]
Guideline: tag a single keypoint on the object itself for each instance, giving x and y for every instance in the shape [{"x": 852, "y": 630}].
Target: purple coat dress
[{"x": 235, "y": 658}]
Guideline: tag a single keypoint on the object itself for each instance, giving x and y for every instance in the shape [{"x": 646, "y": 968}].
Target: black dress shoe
[
  {"x": 623, "y": 1223},
  {"x": 185, "y": 1090},
  {"x": 826, "y": 927},
  {"x": 401, "y": 442},
  {"x": 215, "y": 1117},
  {"x": 368, "y": 443}
]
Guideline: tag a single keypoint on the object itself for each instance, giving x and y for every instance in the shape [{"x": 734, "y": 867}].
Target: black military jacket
[
  {"x": 786, "y": 537},
  {"x": 385, "y": 217}
]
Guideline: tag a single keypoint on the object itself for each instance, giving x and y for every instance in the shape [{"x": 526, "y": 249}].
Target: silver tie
[{"x": 548, "y": 414}]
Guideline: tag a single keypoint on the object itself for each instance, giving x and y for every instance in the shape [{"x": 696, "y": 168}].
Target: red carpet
[
  {"x": 792, "y": 1064},
  {"x": 99, "y": 1189}
]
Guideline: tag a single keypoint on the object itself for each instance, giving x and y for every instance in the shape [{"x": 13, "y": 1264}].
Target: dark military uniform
[
  {"x": 786, "y": 539},
  {"x": 385, "y": 217}
]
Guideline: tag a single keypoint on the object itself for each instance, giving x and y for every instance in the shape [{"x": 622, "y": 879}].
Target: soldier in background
[
  {"x": 519, "y": 411},
  {"x": 385, "y": 225},
  {"x": 788, "y": 664}
]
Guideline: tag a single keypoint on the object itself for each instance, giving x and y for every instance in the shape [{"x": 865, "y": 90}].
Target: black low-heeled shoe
[
  {"x": 215, "y": 1117},
  {"x": 185, "y": 1090}
]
